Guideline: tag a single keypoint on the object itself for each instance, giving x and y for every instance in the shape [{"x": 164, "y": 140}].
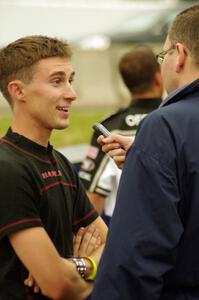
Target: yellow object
[{"x": 94, "y": 265}]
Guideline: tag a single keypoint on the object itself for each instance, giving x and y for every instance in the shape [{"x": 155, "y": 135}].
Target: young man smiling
[{"x": 42, "y": 202}]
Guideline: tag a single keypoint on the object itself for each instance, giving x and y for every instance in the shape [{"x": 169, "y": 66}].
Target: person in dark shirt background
[{"x": 140, "y": 73}]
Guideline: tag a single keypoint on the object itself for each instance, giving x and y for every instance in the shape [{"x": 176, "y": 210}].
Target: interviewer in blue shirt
[{"x": 153, "y": 243}]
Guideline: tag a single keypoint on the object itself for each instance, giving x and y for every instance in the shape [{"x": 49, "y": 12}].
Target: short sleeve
[{"x": 18, "y": 209}]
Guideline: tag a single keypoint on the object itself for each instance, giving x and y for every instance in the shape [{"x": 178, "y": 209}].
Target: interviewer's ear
[
  {"x": 181, "y": 57},
  {"x": 16, "y": 90},
  {"x": 158, "y": 78}
]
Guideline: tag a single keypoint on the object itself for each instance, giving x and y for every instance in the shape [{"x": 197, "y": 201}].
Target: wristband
[
  {"x": 94, "y": 266},
  {"x": 80, "y": 266}
]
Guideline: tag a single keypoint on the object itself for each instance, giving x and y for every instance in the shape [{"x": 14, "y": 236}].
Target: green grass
[
  {"x": 79, "y": 131},
  {"x": 4, "y": 123}
]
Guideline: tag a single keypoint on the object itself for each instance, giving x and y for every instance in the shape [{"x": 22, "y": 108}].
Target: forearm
[
  {"x": 72, "y": 287},
  {"x": 56, "y": 279},
  {"x": 88, "y": 246},
  {"x": 95, "y": 256},
  {"x": 97, "y": 201},
  {"x": 97, "y": 253},
  {"x": 78, "y": 288}
]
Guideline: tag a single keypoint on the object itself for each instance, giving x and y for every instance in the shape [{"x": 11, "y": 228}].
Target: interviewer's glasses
[{"x": 160, "y": 56}]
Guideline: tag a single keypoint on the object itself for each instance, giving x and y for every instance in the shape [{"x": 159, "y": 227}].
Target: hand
[
  {"x": 86, "y": 241},
  {"x": 119, "y": 156},
  {"x": 30, "y": 282},
  {"x": 116, "y": 147}
]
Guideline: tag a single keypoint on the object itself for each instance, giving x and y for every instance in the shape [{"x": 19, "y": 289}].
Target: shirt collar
[
  {"x": 180, "y": 92},
  {"x": 27, "y": 144}
]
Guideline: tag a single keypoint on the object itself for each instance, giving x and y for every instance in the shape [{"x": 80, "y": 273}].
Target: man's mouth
[{"x": 62, "y": 108}]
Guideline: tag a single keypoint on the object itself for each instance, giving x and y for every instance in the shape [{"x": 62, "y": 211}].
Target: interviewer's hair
[
  {"x": 184, "y": 29},
  {"x": 138, "y": 68},
  {"x": 17, "y": 60}
]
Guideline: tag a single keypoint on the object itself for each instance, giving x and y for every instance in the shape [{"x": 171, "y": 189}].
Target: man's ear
[
  {"x": 16, "y": 90},
  {"x": 181, "y": 57},
  {"x": 158, "y": 79}
]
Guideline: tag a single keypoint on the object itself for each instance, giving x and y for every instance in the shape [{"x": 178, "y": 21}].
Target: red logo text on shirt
[{"x": 55, "y": 173}]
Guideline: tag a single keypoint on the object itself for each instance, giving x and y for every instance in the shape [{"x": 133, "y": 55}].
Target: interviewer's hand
[{"x": 116, "y": 146}]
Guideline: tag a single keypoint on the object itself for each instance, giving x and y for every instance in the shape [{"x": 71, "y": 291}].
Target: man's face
[
  {"x": 50, "y": 94},
  {"x": 168, "y": 68}
]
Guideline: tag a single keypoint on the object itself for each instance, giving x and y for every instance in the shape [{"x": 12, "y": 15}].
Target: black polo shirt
[{"x": 38, "y": 187}]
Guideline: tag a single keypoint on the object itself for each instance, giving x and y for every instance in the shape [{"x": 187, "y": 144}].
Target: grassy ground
[{"x": 80, "y": 129}]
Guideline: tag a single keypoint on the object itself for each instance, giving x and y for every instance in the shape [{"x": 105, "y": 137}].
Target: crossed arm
[{"x": 56, "y": 277}]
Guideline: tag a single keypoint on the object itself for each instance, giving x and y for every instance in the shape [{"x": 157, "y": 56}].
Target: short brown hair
[
  {"x": 18, "y": 58},
  {"x": 184, "y": 29},
  {"x": 138, "y": 68}
]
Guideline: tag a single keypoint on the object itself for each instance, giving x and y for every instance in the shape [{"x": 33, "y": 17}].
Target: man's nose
[{"x": 70, "y": 93}]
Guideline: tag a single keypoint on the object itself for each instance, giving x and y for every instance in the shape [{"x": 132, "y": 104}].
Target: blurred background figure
[{"x": 141, "y": 75}]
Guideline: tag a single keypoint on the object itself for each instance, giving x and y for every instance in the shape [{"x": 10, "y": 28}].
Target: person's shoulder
[
  {"x": 58, "y": 154},
  {"x": 63, "y": 160},
  {"x": 118, "y": 113},
  {"x": 112, "y": 119},
  {"x": 154, "y": 116},
  {"x": 9, "y": 168},
  {"x": 110, "y": 116},
  {"x": 165, "y": 112},
  {"x": 7, "y": 154},
  {"x": 156, "y": 122}
]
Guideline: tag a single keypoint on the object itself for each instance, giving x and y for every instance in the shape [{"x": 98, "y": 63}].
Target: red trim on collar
[{"x": 5, "y": 141}]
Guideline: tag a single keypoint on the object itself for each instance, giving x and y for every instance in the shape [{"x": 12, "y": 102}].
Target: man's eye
[
  {"x": 57, "y": 81},
  {"x": 71, "y": 80}
]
